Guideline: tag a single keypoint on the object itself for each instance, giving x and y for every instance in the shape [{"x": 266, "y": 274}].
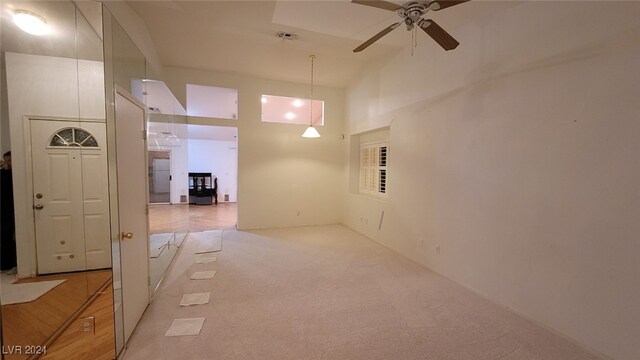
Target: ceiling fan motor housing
[{"x": 412, "y": 13}]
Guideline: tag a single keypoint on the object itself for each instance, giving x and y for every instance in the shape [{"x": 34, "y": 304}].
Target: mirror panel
[
  {"x": 54, "y": 112},
  {"x": 167, "y": 161},
  {"x": 125, "y": 67},
  {"x": 168, "y": 210}
]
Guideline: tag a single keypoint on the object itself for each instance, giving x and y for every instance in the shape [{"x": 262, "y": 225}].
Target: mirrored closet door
[{"x": 57, "y": 279}]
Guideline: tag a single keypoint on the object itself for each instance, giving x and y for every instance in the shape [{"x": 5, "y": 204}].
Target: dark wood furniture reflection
[{"x": 202, "y": 189}]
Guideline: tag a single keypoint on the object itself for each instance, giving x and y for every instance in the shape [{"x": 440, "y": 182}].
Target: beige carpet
[
  {"x": 158, "y": 243},
  {"x": 328, "y": 293},
  {"x": 208, "y": 241}
]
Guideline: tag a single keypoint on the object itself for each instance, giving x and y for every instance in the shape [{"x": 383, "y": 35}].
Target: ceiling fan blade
[
  {"x": 439, "y": 35},
  {"x": 376, "y": 37},
  {"x": 379, "y": 4},
  {"x": 443, "y": 4}
]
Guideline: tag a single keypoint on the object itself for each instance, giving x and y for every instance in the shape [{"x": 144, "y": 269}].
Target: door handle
[
  {"x": 38, "y": 206},
  {"x": 126, "y": 235}
]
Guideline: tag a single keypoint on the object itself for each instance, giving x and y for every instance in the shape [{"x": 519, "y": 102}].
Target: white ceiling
[{"x": 239, "y": 36}]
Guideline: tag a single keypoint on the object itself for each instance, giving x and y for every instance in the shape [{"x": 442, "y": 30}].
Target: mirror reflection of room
[
  {"x": 61, "y": 254},
  {"x": 56, "y": 244},
  {"x": 181, "y": 199}
]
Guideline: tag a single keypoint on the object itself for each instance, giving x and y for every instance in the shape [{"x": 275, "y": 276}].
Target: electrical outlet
[{"x": 88, "y": 325}]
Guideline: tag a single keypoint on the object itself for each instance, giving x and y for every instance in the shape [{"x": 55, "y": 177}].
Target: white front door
[
  {"x": 70, "y": 195},
  {"x": 131, "y": 152}
]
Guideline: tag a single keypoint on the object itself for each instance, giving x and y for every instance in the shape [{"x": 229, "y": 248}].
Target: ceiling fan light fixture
[
  {"x": 411, "y": 14},
  {"x": 31, "y": 23}
]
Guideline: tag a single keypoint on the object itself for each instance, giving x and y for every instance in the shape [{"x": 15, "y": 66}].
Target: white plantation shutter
[{"x": 373, "y": 168}]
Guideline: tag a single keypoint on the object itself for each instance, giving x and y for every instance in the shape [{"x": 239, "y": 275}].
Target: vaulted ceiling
[{"x": 239, "y": 36}]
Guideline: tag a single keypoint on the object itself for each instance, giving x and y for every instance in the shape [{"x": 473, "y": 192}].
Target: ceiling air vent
[{"x": 286, "y": 36}]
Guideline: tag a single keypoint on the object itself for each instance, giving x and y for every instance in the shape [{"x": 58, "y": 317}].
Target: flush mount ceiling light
[
  {"x": 31, "y": 23},
  {"x": 290, "y": 115},
  {"x": 264, "y": 99},
  {"x": 297, "y": 103},
  {"x": 311, "y": 132}
]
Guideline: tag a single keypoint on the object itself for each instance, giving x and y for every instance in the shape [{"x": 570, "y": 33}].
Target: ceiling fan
[{"x": 411, "y": 14}]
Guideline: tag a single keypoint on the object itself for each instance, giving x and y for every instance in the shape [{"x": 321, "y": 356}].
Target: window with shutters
[{"x": 373, "y": 168}]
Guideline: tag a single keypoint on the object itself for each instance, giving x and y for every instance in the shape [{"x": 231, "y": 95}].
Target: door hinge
[
  {"x": 149, "y": 280},
  {"x": 146, "y": 209},
  {"x": 144, "y": 134}
]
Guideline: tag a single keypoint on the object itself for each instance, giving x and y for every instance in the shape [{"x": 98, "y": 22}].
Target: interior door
[
  {"x": 70, "y": 197},
  {"x": 161, "y": 176},
  {"x": 132, "y": 208}
]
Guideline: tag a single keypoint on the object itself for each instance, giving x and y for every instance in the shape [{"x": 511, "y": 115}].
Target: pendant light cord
[{"x": 312, "y": 58}]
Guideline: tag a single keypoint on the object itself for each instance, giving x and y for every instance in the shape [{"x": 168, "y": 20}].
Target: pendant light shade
[{"x": 311, "y": 132}]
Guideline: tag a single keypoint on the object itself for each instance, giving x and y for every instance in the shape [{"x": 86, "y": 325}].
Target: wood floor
[
  {"x": 34, "y": 322},
  {"x": 185, "y": 218},
  {"x": 75, "y": 343}
]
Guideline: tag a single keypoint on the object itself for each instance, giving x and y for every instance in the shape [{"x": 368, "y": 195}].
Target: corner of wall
[{"x": 134, "y": 26}]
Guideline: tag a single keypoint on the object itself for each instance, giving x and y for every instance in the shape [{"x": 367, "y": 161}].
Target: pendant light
[{"x": 311, "y": 132}]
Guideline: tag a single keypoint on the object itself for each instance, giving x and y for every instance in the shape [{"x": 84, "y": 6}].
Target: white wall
[
  {"x": 180, "y": 170},
  {"x": 219, "y": 158},
  {"x": 158, "y": 96},
  {"x": 209, "y": 101},
  {"x": 283, "y": 179},
  {"x": 44, "y": 86},
  {"x": 134, "y": 26},
  {"x": 517, "y": 154}
]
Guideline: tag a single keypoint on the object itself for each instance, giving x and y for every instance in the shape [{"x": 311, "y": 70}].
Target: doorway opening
[
  {"x": 213, "y": 151},
  {"x": 159, "y": 163},
  {"x": 207, "y": 181}
]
